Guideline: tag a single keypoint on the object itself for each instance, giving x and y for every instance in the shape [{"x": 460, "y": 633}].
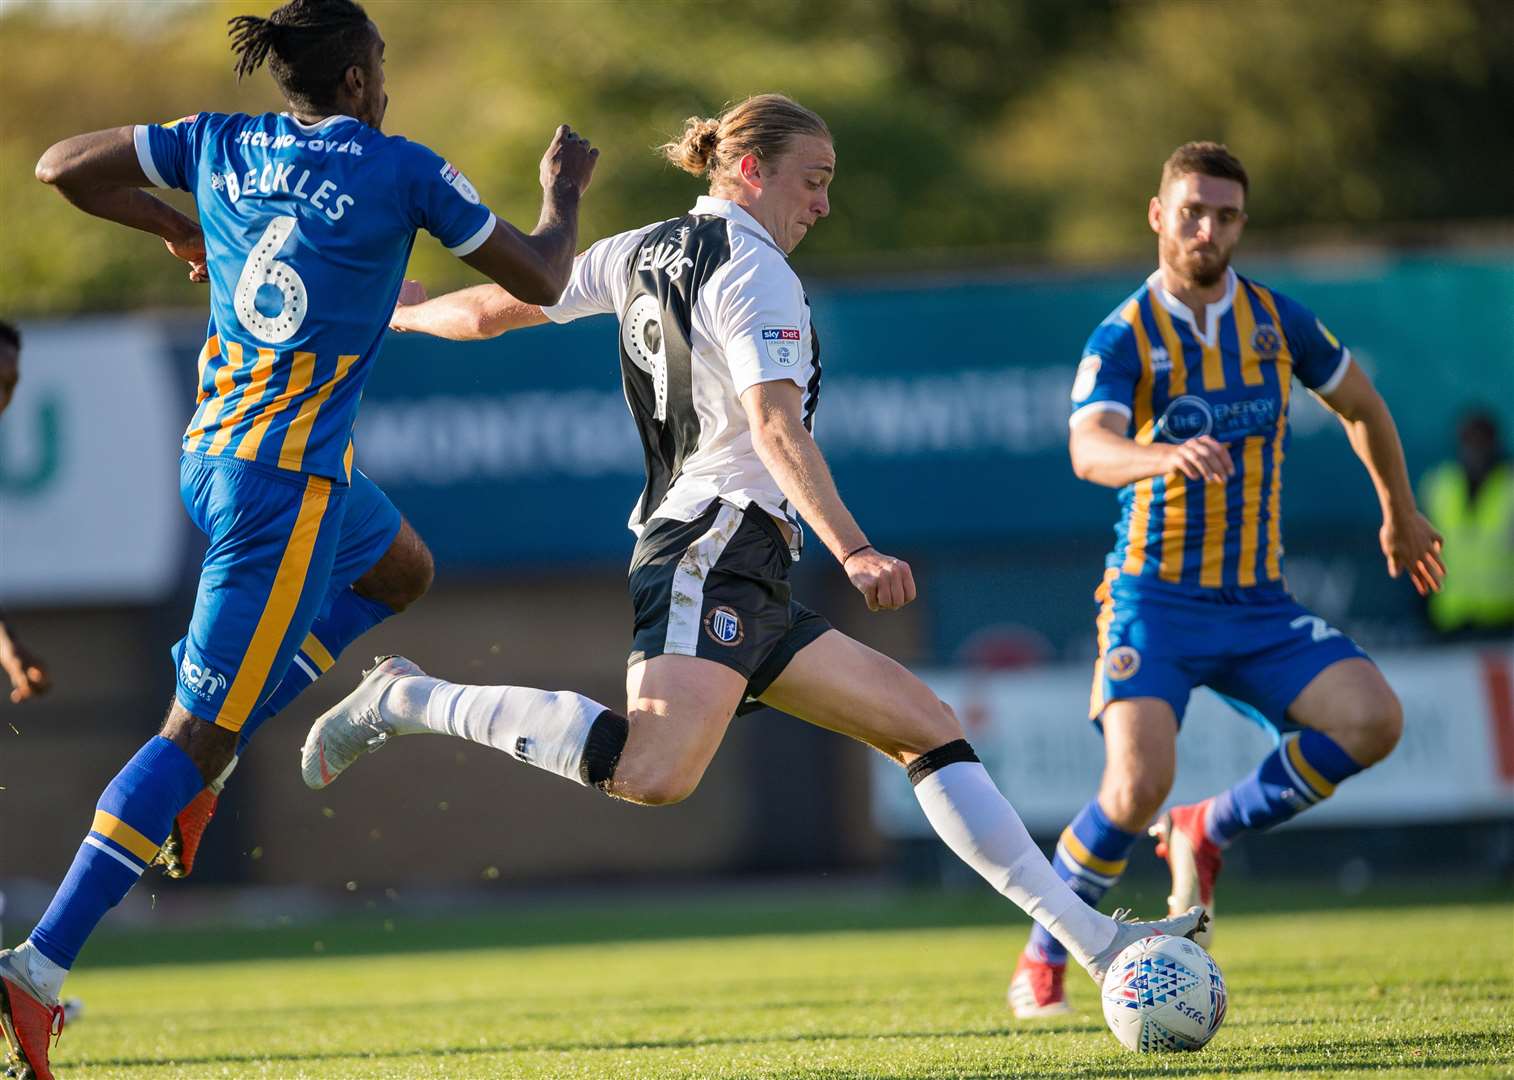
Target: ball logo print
[
  {"x": 724, "y": 626},
  {"x": 1164, "y": 993},
  {"x": 1122, "y": 662}
]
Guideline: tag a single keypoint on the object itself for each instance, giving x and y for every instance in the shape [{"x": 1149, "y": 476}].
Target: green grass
[{"x": 837, "y": 987}]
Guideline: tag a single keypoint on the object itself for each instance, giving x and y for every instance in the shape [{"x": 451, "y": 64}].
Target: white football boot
[
  {"x": 1131, "y": 930},
  {"x": 352, "y": 727}
]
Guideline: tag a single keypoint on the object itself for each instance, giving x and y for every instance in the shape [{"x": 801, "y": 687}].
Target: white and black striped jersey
[{"x": 708, "y": 306}]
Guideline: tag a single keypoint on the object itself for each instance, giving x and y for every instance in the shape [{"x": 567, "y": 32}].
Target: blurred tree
[{"x": 963, "y": 127}]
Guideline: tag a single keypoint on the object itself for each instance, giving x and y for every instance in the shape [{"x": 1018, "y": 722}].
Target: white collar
[
  {"x": 1213, "y": 313},
  {"x": 731, "y": 211},
  {"x": 309, "y": 128}
]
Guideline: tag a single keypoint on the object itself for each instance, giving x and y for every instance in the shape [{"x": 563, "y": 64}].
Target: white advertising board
[
  {"x": 1455, "y": 761},
  {"x": 89, "y": 489}
]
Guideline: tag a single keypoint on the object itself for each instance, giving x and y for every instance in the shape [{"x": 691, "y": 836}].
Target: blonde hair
[{"x": 763, "y": 124}]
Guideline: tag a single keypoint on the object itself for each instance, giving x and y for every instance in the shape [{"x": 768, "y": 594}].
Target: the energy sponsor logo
[
  {"x": 1185, "y": 418},
  {"x": 724, "y": 626},
  {"x": 1189, "y": 417},
  {"x": 201, "y": 681}
]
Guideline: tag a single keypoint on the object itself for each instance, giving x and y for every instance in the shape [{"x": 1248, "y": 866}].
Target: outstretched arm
[
  {"x": 774, "y": 413},
  {"x": 99, "y": 173},
  {"x": 483, "y": 311},
  {"x": 1408, "y": 540}
]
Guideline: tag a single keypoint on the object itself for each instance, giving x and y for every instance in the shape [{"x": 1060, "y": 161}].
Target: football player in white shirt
[{"x": 722, "y": 375}]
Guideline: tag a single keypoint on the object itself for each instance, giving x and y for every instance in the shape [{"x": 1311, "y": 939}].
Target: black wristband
[{"x": 855, "y": 551}]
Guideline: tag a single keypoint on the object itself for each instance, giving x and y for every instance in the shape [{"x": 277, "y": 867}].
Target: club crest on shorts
[
  {"x": 1121, "y": 663},
  {"x": 724, "y": 626}
]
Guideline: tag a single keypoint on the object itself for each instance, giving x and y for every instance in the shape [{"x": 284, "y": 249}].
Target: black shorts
[{"x": 717, "y": 587}]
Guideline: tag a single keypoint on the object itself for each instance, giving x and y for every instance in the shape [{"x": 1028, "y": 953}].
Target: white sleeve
[
  {"x": 761, "y": 321},
  {"x": 600, "y": 278}
]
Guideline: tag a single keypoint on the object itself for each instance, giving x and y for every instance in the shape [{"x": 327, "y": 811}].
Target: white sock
[
  {"x": 540, "y": 727},
  {"x": 968, "y": 812},
  {"x": 45, "y": 975}
]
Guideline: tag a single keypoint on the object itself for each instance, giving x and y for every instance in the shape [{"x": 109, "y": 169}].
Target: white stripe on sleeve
[
  {"x": 143, "y": 143},
  {"x": 476, "y": 241},
  {"x": 1098, "y": 407}
]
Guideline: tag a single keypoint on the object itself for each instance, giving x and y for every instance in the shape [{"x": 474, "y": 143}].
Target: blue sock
[
  {"x": 348, "y": 618},
  {"x": 1302, "y": 771},
  {"x": 1091, "y": 856},
  {"x": 131, "y": 822}
]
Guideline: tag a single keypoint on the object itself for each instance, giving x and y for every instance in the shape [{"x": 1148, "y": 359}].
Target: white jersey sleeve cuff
[
  {"x": 476, "y": 241},
  {"x": 1098, "y": 407},
  {"x": 143, "y": 143},
  {"x": 1336, "y": 376}
]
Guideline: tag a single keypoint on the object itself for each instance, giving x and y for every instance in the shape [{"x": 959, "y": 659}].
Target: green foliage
[
  {"x": 963, "y": 127},
  {"x": 847, "y": 985}
]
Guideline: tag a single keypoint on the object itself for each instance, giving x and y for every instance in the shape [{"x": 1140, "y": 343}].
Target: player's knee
[
  {"x": 402, "y": 576},
  {"x": 1379, "y": 727},
  {"x": 211, "y": 748},
  {"x": 1131, "y": 799},
  {"x": 932, "y": 725},
  {"x": 662, "y": 784},
  {"x": 413, "y": 578}
]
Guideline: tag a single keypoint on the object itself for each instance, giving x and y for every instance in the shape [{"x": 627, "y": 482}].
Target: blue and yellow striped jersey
[
  {"x": 1150, "y": 362},
  {"x": 308, "y": 229}
]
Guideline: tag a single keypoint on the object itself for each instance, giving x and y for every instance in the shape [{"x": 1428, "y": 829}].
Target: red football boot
[
  {"x": 177, "y": 855},
  {"x": 1036, "y": 988},
  {"x": 1193, "y": 858},
  {"x": 28, "y": 1022}
]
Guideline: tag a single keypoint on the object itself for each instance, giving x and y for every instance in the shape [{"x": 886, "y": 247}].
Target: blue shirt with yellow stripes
[
  {"x": 1173, "y": 380},
  {"x": 308, "y": 229}
]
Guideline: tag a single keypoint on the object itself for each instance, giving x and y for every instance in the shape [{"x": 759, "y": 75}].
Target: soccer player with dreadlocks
[{"x": 307, "y": 219}]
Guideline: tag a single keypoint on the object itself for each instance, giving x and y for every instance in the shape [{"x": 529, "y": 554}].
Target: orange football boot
[{"x": 28, "y": 1022}]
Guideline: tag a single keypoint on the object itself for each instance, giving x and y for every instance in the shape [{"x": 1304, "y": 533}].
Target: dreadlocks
[{"x": 309, "y": 45}]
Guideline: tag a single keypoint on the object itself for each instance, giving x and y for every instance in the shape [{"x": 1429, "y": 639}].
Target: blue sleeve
[
  {"x": 1107, "y": 373},
  {"x": 1319, "y": 359},
  {"x": 443, "y": 202},
  {"x": 170, "y": 153}
]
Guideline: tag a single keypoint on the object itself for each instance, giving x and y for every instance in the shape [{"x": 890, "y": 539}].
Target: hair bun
[{"x": 695, "y": 150}]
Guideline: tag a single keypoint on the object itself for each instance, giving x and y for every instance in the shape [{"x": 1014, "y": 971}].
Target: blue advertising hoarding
[{"x": 943, "y": 411}]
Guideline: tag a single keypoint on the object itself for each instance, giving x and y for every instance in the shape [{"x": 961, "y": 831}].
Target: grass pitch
[{"x": 848, "y": 986}]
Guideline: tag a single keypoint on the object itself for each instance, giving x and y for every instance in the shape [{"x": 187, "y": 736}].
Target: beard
[{"x": 1202, "y": 268}]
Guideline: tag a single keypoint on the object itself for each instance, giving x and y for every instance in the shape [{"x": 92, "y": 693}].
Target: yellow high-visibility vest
[{"x": 1479, "y": 551}]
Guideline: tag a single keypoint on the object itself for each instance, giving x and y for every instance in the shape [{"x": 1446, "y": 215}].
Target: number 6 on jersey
[{"x": 263, "y": 271}]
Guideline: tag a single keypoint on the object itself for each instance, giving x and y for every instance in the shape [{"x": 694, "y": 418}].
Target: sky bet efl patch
[
  {"x": 782, "y": 344},
  {"x": 453, "y": 176}
]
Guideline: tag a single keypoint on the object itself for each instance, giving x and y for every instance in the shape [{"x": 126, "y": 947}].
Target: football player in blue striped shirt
[
  {"x": 307, "y": 219},
  {"x": 1181, "y": 402}
]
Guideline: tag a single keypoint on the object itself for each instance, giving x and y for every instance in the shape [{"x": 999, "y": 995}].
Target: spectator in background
[
  {"x": 1472, "y": 500},
  {"x": 27, "y": 673}
]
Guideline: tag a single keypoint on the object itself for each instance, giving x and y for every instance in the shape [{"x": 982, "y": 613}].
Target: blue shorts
[
  {"x": 282, "y": 546},
  {"x": 1257, "y": 647}
]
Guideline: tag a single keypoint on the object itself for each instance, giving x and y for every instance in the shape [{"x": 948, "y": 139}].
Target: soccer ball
[{"x": 1164, "y": 993}]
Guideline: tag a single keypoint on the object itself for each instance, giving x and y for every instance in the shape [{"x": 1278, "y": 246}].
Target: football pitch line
[{"x": 1393, "y": 989}]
